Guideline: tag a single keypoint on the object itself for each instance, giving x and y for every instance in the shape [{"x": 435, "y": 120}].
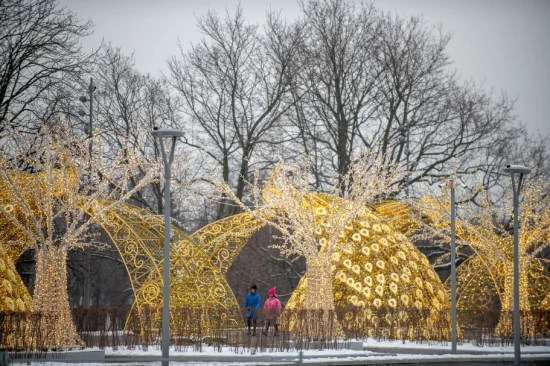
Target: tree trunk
[
  {"x": 223, "y": 207},
  {"x": 51, "y": 299},
  {"x": 319, "y": 285},
  {"x": 322, "y": 322}
]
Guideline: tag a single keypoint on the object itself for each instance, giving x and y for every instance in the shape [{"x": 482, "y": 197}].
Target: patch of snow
[{"x": 430, "y": 345}]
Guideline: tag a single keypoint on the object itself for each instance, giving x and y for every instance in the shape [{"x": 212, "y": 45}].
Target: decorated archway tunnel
[
  {"x": 379, "y": 269},
  {"x": 378, "y": 266}
]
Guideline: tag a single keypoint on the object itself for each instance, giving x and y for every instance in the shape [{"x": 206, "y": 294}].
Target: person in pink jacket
[{"x": 272, "y": 310}]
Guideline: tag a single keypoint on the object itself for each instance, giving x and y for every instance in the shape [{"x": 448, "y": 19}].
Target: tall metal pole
[
  {"x": 167, "y": 227},
  {"x": 517, "y": 329},
  {"x": 90, "y": 125},
  {"x": 87, "y": 252},
  {"x": 512, "y": 170},
  {"x": 453, "y": 268},
  {"x": 408, "y": 153}
]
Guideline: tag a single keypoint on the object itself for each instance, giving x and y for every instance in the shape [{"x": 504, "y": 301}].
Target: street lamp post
[
  {"x": 451, "y": 185},
  {"x": 168, "y": 159},
  {"x": 453, "y": 267},
  {"x": 82, "y": 113},
  {"x": 513, "y": 170}
]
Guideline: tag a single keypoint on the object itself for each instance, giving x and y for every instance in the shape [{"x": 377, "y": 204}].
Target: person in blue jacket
[{"x": 251, "y": 305}]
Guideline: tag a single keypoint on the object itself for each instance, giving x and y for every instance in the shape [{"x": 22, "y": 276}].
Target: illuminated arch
[
  {"x": 223, "y": 240},
  {"x": 138, "y": 236}
]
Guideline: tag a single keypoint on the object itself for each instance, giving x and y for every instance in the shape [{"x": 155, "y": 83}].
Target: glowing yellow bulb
[
  {"x": 395, "y": 277},
  {"x": 368, "y": 280}
]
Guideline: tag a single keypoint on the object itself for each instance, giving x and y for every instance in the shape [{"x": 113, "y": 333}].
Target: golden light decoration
[
  {"x": 376, "y": 266},
  {"x": 387, "y": 260},
  {"x": 138, "y": 235},
  {"x": 485, "y": 279},
  {"x": 14, "y": 296}
]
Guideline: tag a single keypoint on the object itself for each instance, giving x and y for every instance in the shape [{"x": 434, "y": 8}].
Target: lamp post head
[
  {"x": 83, "y": 99},
  {"x": 81, "y": 113},
  {"x": 166, "y": 132},
  {"x": 512, "y": 169}
]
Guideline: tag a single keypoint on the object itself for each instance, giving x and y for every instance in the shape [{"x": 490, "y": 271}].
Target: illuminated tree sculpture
[
  {"x": 50, "y": 190},
  {"x": 485, "y": 279},
  {"x": 312, "y": 230}
]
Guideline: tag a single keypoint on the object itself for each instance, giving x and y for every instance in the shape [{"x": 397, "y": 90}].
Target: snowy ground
[
  {"x": 217, "y": 358},
  {"x": 446, "y": 346}
]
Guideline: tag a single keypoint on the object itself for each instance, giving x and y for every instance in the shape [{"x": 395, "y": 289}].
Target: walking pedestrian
[
  {"x": 252, "y": 304},
  {"x": 272, "y": 310}
]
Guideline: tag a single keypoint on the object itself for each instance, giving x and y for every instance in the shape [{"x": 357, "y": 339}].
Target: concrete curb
[{"x": 73, "y": 356}]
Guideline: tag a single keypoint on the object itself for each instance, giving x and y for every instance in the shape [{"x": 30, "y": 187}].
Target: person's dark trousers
[
  {"x": 268, "y": 323},
  {"x": 251, "y": 322}
]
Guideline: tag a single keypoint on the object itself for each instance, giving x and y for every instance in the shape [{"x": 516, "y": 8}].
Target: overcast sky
[{"x": 504, "y": 44}]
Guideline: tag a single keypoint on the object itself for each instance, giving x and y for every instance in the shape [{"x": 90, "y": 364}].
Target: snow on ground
[{"x": 431, "y": 345}]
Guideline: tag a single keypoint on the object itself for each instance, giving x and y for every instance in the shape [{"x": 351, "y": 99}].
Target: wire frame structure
[
  {"x": 194, "y": 280},
  {"x": 14, "y": 296},
  {"x": 379, "y": 268},
  {"x": 484, "y": 279},
  {"x": 138, "y": 236}
]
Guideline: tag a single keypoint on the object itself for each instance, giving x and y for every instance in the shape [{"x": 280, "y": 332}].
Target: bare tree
[
  {"x": 338, "y": 82},
  {"x": 40, "y": 56},
  {"x": 129, "y": 105},
  {"x": 234, "y": 85},
  {"x": 378, "y": 79}
]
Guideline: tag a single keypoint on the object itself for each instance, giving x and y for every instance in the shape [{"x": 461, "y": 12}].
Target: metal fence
[{"x": 195, "y": 328}]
